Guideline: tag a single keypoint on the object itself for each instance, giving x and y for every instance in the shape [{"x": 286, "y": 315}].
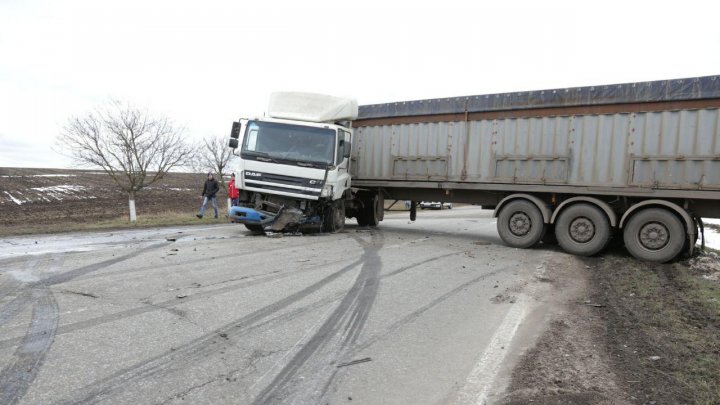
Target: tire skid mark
[
  {"x": 418, "y": 312},
  {"x": 164, "y": 305},
  {"x": 16, "y": 377},
  {"x": 354, "y": 307},
  {"x": 404, "y": 321},
  {"x": 73, "y": 274},
  {"x": 207, "y": 344},
  {"x": 15, "y": 306},
  {"x": 251, "y": 252},
  {"x": 198, "y": 348},
  {"x": 19, "y": 374}
]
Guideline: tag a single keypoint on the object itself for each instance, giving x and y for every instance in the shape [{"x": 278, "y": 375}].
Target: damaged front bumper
[{"x": 284, "y": 219}]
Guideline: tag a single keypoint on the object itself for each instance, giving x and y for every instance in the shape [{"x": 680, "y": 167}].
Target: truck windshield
[{"x": 286, "y": 143}]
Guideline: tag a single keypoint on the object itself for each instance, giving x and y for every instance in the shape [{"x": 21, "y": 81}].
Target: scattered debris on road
[
  {"x": 351, "y": 363},
  {"x": 84, "y": 294}
]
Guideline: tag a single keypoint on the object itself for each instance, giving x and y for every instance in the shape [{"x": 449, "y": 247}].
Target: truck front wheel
[
  {"x": 334, "y": 217},
  {"x": 582, "y": 229},
  {"x": 654, "y": 235},
  {"x": 520, "y": 224}
]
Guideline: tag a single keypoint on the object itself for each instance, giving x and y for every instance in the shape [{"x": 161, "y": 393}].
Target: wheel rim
[
  {"x": 654, "y": 236},
  {"x": 520, "y": 224},
  {"x": 582, "y": 230}
]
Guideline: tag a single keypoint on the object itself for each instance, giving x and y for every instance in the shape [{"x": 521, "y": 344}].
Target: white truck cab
[{"x": 295, "y": 162}]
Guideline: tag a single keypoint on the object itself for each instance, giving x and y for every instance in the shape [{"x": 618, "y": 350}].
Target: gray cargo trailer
[{"x": 641, "y": 160}]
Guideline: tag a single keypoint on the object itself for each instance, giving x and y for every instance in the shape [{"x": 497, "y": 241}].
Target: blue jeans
[{"x": 204, "y": 205}]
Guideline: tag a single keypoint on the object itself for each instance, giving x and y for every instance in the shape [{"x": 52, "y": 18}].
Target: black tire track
[
  {"x": 354, "y": 309},
  {"x": 251, "y": 251},
  {"x": 412, "y": 316},
  {"x": 197, "y": 348},
  {"x": 168, "y": 304},
  {"x": 209, "y": 343},
  {"x": 19, "y": 374},
  {"x": 16, "y": 377}
]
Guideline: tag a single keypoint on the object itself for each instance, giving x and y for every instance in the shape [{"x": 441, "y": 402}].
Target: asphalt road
[{"x": 430, "y": 312}]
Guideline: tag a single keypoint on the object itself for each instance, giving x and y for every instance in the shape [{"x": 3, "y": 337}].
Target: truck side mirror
[
  {"x": 347, "y": 148},
  {"x": 235, "y": 132},
  {"x": 233, "y": 143}
]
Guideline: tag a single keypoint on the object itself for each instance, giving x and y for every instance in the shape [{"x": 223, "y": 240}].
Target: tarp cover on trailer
[{"x": 707, "y": 87}]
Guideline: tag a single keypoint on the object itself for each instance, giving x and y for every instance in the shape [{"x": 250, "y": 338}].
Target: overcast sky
[{"x": 204, "y": 64}]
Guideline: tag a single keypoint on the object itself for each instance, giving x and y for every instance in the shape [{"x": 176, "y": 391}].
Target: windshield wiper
[
  {"x": 311, "y": 163},
  {"x": 261, "y": 156}
]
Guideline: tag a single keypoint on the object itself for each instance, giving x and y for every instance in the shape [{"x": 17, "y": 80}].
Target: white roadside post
[{"x": 133, "y": 215}]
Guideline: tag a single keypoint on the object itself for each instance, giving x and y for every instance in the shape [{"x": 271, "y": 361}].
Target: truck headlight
[{"x": 327, "y": 191}]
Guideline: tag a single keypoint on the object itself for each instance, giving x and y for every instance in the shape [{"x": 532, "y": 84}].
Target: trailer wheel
[
  {"x": 255, "y": 229},
  {"x": 520, "y": 224},
  {"x": 582, "y": 229},
  {"x": 654, "y": 235}
]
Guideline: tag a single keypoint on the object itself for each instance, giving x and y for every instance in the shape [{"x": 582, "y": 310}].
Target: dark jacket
[{"x": 211, "y": 188}]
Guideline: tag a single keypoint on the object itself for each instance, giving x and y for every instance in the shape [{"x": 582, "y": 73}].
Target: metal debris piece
[{"x": 351, "y": 363}]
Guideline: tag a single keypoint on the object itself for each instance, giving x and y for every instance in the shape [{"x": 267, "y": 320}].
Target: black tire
[
  {"x": 255, "y": 229},
  {"x": 582, "y": 229},
  {"x": 654, "y": 235},
  {"x": 372, "y": 210},
  {"x": 334, "y": 217},
  {"x": 520, "y": 224}
]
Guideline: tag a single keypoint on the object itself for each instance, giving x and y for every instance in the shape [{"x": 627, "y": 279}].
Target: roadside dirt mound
[
  {"x": 646, "y": 334},
  {"x": 568, "y": 364},
  {"x": 52, "y": 196}
]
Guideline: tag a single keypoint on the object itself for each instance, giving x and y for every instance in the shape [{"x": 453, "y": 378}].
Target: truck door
[{"x": 342, "y": 158}]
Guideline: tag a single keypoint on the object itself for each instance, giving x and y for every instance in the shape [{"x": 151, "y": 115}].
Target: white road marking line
[{"x": 481, "y": 378}]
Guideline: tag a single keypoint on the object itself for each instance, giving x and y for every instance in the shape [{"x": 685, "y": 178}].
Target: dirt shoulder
[{"x": 642, "y": 334}]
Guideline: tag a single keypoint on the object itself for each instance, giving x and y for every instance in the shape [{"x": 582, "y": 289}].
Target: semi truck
[{"x": 637, "y": 161}]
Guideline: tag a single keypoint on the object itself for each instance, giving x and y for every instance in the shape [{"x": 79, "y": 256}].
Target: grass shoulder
[{"x": 663, "y": 325}]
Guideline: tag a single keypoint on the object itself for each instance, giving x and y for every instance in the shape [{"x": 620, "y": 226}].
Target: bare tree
[
  {"x": 133, "y": 147},
  {"x": 214, "y": 154}
]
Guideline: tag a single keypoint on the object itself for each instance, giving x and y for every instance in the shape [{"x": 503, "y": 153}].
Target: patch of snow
[
  {"x": 60, "y": 191},
  {"x": 63, "y": 188},
  {"x": 15, "y": 200},
  {"x": 712, "y": 238},
  {"x": 23, "y": 276},
  {"x": 40, "y": 175}
]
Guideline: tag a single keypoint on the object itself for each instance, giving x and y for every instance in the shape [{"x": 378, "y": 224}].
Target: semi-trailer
[{"x": 639, "y": 161}]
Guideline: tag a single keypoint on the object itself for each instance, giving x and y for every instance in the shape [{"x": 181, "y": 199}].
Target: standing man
[
  {"x": 210, "y": 189},
  {"x": 233, "y": 192}
]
